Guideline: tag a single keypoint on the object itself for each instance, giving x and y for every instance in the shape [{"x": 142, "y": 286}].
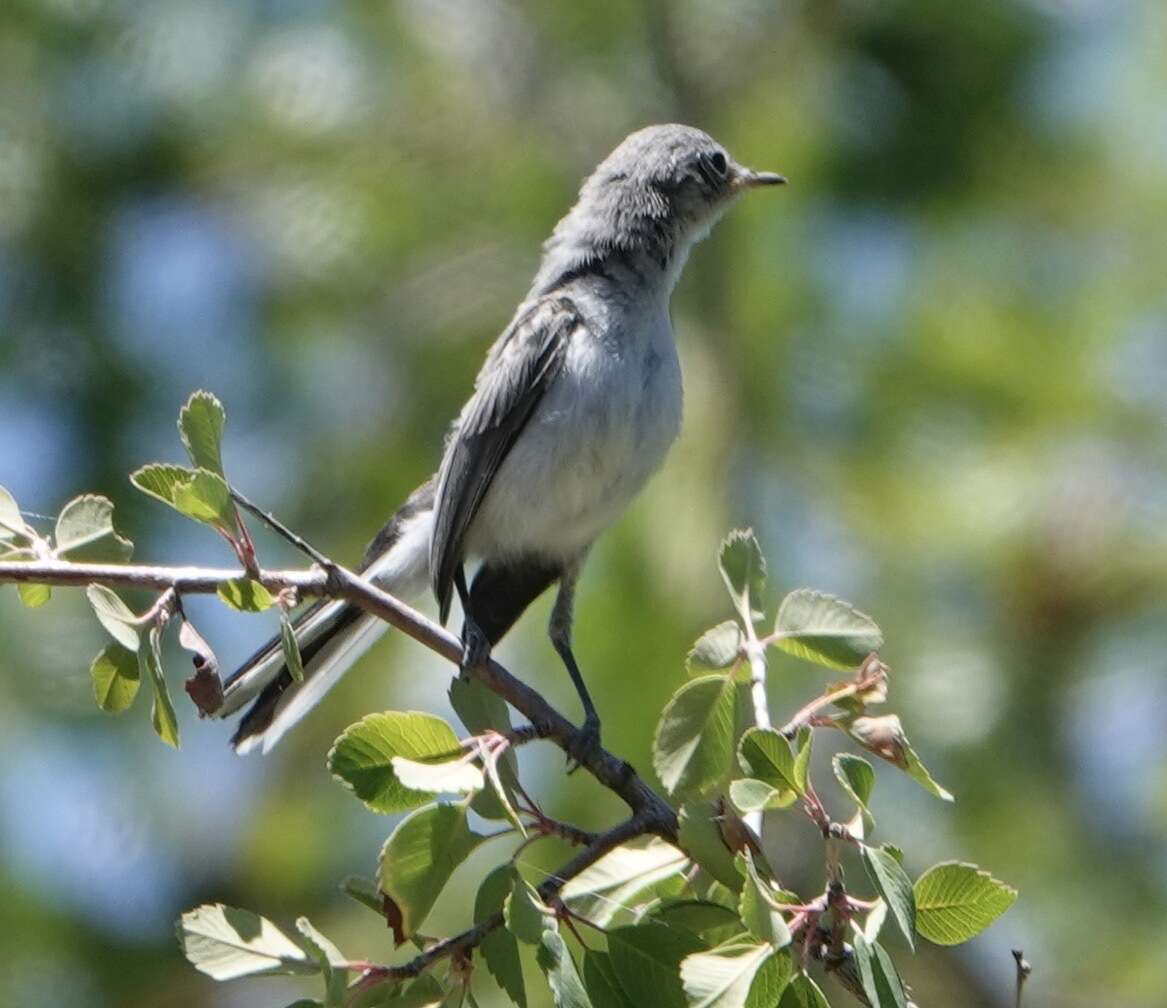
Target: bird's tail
[{"x": 332, "y": 635}]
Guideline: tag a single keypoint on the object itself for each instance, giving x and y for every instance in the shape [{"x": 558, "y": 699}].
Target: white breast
[{"x": 600, "y": 431}]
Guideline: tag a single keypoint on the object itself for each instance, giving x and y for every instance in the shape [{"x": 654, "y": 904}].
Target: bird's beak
[{"x": 747, "y": 178}]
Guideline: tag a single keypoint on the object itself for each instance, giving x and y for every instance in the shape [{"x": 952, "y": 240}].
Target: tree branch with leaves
[{"x": 676, "y": 904}]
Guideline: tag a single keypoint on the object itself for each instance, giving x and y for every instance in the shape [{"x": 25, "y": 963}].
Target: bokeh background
[{"x": 930, "y": 373}]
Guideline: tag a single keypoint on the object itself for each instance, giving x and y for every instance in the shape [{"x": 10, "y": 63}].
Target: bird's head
[{"x": 652, "y": 198}]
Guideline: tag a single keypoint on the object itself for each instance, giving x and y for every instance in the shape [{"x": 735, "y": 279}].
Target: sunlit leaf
[
  {"x": 956, "y": 902},
  {"x": 362, "y": 757},
  {"x": 620, "y": 876},
  {"x": 116, "y": 678},
  {"x": 718, "y": 647},
  {"x": 162, "y": 715},
  {"x": 85, "y": 532},
  {"x": 420, "y": 856},
  {"x": 693, "y": 746},
  {"x": 758, "y": 911},
  {"x": 881, "y": 982},
  {"x": 291, "y": 648},
  {"x": 751, "y": 795},
  {"x": 113, "y": 614},
  {"x": 226, "y": 943},
  {"x": 200, "y": 424},
  {"x": 722, "y": 977},
  {"x": 245, "y": 595},
  {"x": 557, "y": 965},
  {"x": 765, "y": 755},
  {"x": 12, "y": 524},
  {"x": 33, "y": 595},
  {"x": 743, "y": 568},
  {"x": 857, "y": 778},
  {"x": 526, "y": 915},
  {"x": 825, "y": 630},
  {"x": 894, "y": 886}
]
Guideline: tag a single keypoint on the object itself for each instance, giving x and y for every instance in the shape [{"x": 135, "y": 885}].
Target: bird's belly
[{"x": 600, "y": 432}]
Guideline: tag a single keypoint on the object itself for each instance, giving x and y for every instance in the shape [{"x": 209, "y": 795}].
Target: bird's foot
[
  {"x": 475, "y": 646},
  {"x": 586, "y": 744}
]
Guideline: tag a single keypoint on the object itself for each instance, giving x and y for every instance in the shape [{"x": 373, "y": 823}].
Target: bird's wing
[{"x": 518, "y": 370}]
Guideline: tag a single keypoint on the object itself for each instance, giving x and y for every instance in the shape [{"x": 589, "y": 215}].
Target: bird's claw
[{"x": 475, "y": 646}]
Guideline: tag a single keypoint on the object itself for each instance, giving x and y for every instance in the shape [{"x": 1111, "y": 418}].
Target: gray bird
[{"x": 575, "y": 407}]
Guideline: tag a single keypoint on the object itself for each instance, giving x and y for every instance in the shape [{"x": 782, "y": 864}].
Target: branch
[
  {"x": 635, "y": 825},
  {"x": 651, "y": 814}
]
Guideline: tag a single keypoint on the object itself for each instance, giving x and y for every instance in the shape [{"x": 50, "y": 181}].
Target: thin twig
[{"x": 277, "y": 526}]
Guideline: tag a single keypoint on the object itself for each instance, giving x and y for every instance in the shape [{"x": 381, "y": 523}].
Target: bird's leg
[
  {"x": 475, "y": 643},
  {"x": 559, "y": 630}
]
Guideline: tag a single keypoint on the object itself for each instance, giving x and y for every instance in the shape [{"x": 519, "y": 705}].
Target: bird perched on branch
[{"x": 575, "y": 407}]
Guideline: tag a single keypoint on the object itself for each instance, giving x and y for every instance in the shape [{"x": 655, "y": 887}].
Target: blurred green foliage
[{"x": 929, "y": 373}]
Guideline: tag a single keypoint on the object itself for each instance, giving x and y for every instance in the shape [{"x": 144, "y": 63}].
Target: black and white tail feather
[{"x": 332, "y": 635}]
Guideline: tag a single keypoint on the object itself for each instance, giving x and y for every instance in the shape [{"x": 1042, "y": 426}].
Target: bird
[{"x": 575, "y": 407}]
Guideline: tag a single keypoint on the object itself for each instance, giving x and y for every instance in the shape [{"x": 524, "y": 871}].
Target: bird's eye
[{"x": 719, "y": 163}]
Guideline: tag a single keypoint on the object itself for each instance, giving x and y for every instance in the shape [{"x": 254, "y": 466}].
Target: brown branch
[
  {"x": 651, "y": 814},
  {"x": 635, "y": 825}
]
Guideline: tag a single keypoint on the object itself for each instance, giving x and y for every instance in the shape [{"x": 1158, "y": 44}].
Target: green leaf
[
  {"x": 743, "y": 568},
  {"x": 765, "y": 755},
  {"x": 457, "y": 776},
  {"x": 246, "y": 595},
  {"x": 162, "y": 715},
  {"x": 200, "y": 424},
  {"x": 825, "y": 630},
  {"x": 955, "y": 902},
  {"x": 160, "y": 479},
  {"x": 599, "y": 976},
  {"x": 875, "y": 919},
  {"x": 291, "y": 648},
  {"x": 722, "y": 977},
  {"x": 693, "y": 746},
  {"x": 877, "y": 972},
  {"x": 885, "y": 737},
  {"x": 714, "y": 923},
  {"x": 226, "y": 943},
  {"x": 803, "y": 992},
  {"x": 856, "y": 777},
  {"x": 482, "y": 710},
  {"x": 770, "y": 981},
  {"x": 362, "y": 757},
  {"x": 526, "y": 915},
  {"x": 33, "y": 595},
  {"x": 116, "y": 678},
  {"x": 802, "y": 746},
  {"x": 647, "y": 959},
  {"x": 758, "y": 911},
  {"x": 717, "y": 648},
  {"x": 557, "y": 965},
  {"x": 197, "y": 493},
  {"x": 11, "y": 522},
  {"x": 85, "y": 531},
  {"x": 365, "y": 891},
  {"x": 332, "y": 962},
  {"x": 894, "y": 886},
  {"x": 701, "y": 838},
  {"x": 749, "y": 794},
  {"x": 420, "y": 856},
  {"x": 113, "y": 614},
  {"x": 620, "y": 876},
  {"x": 499, "y": 947}
]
